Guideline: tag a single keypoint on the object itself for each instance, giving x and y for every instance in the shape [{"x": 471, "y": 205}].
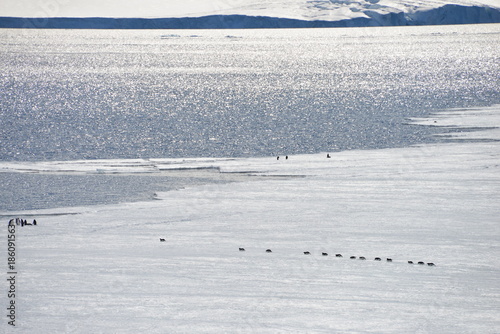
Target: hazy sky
[{"x": 115, "y": 8}]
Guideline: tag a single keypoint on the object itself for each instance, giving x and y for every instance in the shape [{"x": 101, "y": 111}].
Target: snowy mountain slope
[{"x": 255, "y": 13}]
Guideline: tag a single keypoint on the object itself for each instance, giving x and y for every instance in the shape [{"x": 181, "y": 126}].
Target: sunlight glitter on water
[{"x": 82, "y": 94}]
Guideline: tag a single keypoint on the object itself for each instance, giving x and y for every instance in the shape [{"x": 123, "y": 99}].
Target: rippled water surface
[
  {"x": 92, "y": 94},
  {"x": 72, "y": 94}
]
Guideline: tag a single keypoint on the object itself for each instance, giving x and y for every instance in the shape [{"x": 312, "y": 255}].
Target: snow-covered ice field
[{"x": 103, "y": 269}]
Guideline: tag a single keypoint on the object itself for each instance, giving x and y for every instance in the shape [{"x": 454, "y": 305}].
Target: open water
[{"x": 101, "y": 94}]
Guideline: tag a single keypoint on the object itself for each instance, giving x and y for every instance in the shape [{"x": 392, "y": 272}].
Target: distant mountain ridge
[{"x": 447, "y": 14}]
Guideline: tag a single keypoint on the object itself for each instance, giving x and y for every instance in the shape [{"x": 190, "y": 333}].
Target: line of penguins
[{"x": 430, "y": 264}]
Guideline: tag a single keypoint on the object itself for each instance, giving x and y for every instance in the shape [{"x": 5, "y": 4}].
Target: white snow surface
[
  {"x": 327, "y": 10},
  {"x": 103, "y": 269}
]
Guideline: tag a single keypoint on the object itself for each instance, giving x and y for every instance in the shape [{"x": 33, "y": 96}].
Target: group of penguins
[
  {"x": 430, "y": 264},
  {"x": 21, "y": 222}
]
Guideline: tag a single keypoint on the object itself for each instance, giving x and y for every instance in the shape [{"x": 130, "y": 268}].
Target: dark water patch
[{"x": 21, "y": 191}]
